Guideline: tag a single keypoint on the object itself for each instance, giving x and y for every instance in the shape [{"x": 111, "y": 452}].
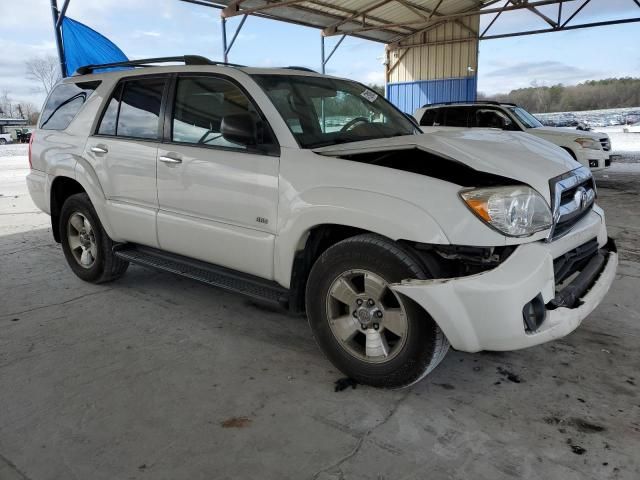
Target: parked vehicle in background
[
  {"x": 5, "y": 138},
  {"x": 20, "y": 134},
  {"x": 316, "y": 193},
  {"x": 633, "y": 128},
  {"x": 591, "y": 149}
]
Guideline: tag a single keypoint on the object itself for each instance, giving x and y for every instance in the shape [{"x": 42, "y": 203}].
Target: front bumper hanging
[{"x": 488, "y": 311}]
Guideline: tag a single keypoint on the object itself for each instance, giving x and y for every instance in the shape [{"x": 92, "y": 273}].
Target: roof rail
[
  {"x": 148, "y": 62},
  {"x": 470, "y": 102},
  {"x": 303, "y": 69}
]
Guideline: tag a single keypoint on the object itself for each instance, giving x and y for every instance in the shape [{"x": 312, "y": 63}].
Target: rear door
[
  {"x": 218, "y": 200},
  {"x": 123, "y": 153}
]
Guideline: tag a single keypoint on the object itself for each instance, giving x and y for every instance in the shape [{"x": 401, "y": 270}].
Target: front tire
[
  {"x": 86, "y": 246},
  {"x": 369, "y": 332}
]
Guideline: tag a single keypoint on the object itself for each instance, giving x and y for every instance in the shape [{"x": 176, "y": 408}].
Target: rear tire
[
  {"x": 3, "y": 141},
  {"x": 86, "y": 246},
  {"x": 347, "y": 290}
]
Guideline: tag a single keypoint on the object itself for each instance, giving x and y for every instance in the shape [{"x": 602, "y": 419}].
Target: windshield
[
  {"x": 322, "y": 111},
  {"x": 528, "y": 120}
]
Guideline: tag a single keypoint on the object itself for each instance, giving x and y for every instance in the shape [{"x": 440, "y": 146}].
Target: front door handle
[
  {"x": 166, "y": 159},
  {"x": 99, "y": 149}
]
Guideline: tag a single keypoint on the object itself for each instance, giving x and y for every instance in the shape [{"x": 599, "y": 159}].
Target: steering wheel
[{"x": 352, "y": 122}]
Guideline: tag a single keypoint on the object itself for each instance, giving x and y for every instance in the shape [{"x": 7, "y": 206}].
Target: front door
[{"x": 218, "y": 200}]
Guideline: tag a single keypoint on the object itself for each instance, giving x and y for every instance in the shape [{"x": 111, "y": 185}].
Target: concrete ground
[{"x": 159, "y": 377}]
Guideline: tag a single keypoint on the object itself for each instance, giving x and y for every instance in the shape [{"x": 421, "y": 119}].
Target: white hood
[
  {"x": 566, "y": 132},
  {"x": 515, "y": 155}
]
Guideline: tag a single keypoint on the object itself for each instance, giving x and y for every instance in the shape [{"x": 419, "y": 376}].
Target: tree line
[
  {"x": 45, "y": 71},
  {"x": 590, "y": 95}
]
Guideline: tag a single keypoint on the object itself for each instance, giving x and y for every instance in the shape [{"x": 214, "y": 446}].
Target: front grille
[
  {"x": 574, "y": 260},
  {"x": 606, "y": 144},
  {"x": 572, "y": 197}
]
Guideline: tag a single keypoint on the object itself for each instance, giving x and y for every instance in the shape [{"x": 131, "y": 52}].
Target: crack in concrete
[
  {"x": 8, "y": 465},
  {"x": 362, "y": 439},
  {"x": 71, "y": 300}
]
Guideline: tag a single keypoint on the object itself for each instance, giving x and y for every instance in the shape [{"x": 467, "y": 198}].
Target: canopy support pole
[
  {"x": 324, "y": 60},
  {"x": 227, "y": 48},
  {"x": 57, "y": 26}
]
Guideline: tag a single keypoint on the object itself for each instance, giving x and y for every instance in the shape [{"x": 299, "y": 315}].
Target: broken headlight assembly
[{"x": 516, "y": 211}]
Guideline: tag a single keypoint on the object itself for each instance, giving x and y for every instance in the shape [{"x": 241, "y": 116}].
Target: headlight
[
  {"x": 589, "y": 143},
  {"x": 516, "y": 211}
]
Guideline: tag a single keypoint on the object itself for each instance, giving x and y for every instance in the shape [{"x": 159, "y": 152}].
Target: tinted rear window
[
  {"x": 430, "y": 117},
  {"x": 456, "y": 117},
  {"x": 134, "y": 109},
  {"x": 140, "y": 108},
  {"x": 64, "y": 103}
]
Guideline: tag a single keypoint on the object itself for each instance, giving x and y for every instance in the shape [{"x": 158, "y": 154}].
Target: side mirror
[{"x": 239, "y": 128}]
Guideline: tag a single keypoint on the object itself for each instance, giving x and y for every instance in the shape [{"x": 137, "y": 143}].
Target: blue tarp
[{"x": 85, "y": 46}]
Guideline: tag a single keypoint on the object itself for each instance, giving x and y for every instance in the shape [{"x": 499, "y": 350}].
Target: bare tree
[
  {"x": 29, "y": 112},
  {"x": 45, "y": 69},
  {"x": 7, "y": 107}
]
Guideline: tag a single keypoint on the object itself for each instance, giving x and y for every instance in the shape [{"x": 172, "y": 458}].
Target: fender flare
[{"x": 86, "y": 176}]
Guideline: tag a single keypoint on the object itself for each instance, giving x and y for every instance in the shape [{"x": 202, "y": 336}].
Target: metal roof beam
[
  {"x": 453, "y": 16},
  {"x": 586, "y": 2},
  {"x": 542, "y": 16},
  {"x": 563, "y": 28},
  {"x": 234, "y": 7},
  {"x": 331, "y": 29}
]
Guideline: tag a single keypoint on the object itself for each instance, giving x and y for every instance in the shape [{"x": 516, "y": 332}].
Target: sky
[{"x": 151, "y": 28}]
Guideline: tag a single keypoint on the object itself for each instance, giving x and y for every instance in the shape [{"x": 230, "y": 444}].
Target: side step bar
[{"x": 214, "y": 275}]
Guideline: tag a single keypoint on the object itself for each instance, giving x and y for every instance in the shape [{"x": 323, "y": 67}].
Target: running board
[{"x": 210, "y": 274}]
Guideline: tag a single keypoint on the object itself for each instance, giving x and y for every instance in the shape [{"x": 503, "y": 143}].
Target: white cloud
[{"x": 515, "y": 75}]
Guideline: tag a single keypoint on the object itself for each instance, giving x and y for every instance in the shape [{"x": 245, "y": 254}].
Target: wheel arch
[
  {"x": 62, "y": 188},
  {"x": 319, "y": 239}
]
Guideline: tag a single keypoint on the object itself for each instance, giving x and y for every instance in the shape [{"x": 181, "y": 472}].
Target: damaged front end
[{"x": 517, "y": 297}]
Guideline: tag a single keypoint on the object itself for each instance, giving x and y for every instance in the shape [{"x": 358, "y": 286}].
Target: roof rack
[
  {"x": 148, "y": 62},
  {"x": 470, "y": 102},
  {"x": 303, "y": 69}
]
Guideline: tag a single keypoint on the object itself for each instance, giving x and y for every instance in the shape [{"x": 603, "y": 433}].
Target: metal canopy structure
[
  {"x": 404, "y": 24},
  {"x": 426, "y": 41},
  {"x": 391, "y": 21}
]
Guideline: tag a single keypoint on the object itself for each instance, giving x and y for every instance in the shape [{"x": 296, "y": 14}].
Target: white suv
[
  {"x": 316, "y": 193},
  {"x": 591, "y": 149}
]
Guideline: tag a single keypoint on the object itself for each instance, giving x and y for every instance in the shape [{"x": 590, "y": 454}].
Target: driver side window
[{"x": 200, "y": 105}]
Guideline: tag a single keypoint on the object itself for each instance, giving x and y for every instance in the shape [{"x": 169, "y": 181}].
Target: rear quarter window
[
  {"x": 430, "y": 117},
  {"x": 64, "y": 103}
]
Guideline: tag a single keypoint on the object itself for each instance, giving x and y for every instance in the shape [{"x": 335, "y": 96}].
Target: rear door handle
[
  {"x": 167, "y": 159},
  {"x": 99, "y": 149}
]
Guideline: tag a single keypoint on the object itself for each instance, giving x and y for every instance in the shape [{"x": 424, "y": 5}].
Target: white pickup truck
[
  {"x": 316, "y": 193},
  {"x": 4, "y": 137},
  {"x": 591, "y": 149}
]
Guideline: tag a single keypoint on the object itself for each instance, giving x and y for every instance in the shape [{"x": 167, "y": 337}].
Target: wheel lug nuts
[
  {"x": 379, "y": 314},
  {"x": 370, "y": 302},
  {"x": 359, "y": 301},
  {"x": 364, "y": 327},
  {"x": 355, "y": 314},
  {"x": 376, "y": 326}
]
